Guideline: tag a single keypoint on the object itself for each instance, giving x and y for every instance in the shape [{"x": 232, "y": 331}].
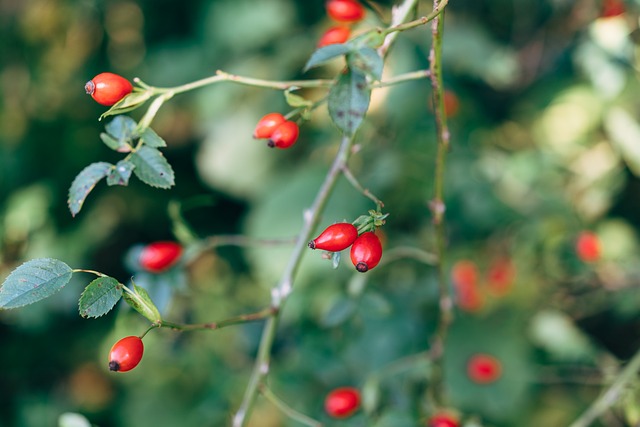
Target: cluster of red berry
[
  {"x": 345, "y": 12},
  {"x": 366, "y": 249},
  {"x": 280, "y": 132}
]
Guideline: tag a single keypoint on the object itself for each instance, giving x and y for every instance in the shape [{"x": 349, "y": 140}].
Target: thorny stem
[
  {"x": 437, "y": 205},
  {"x": 281, "y": 291},
  {"x": 611, "y": 395},
  {"x": 286, "y": 409}
]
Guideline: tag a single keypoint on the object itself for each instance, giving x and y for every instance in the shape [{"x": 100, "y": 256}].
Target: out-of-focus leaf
[
  {"x": 33, "y": 281},
  {"x": 84, "y": 182},
  {"x": 325, "y": 54},
  {"x": 339, "y": 312},
  {"x": 625, "y": 135},
  {"x": 72, "y": 419},
  {"x": 349, "y": 101},
  {"x": 367, "y": 61}
]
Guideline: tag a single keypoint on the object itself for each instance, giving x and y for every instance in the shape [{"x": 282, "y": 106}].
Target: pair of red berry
[
  {"x": 366, "y": 249},
  {"x": 343, "y": 11},
  {"x": 282, "y": 133}
]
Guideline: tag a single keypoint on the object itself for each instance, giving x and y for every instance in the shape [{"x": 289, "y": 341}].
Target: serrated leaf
[
  {"x": 120, "y": 173},
  {"x": 128, "y": 103},
  {"x": 152, "y": 168},
  {"x": 367, "y": 61},
  {"x": 325, "y": 54},
  {"x": 152, "y": 139},
  {"x": 139, "y": 300},
  {"x": 99, "y": 297},
  {"x": 33, "y": 281},
  {"x": 84, "y": 182},
  {"x": 349, "y": 101},
  {"x": 296, "y": 101},
  {"x": 123, "y": 128}
]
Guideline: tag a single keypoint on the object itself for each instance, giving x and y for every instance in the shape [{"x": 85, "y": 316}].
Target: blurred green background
[{"x": 545, "y": 144}]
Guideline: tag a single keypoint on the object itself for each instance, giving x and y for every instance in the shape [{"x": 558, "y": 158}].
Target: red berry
[
  {"x": 108, "y": 88},
  {"x": 342, "y": 402},
  {"x": 451, "y": 103},
  {"x": 334, "y": 35},
  {"x": 484, "y": 368},
  {"x": 443, "y": 419},
  {"x": 345, "y": 10},
  {"x": 160, "y": 256},
  {"x": 366, "y": 251},
  {"x": 464, "y": 275},
  {"x": 588, "y": 246},
  {"x": 126, "y": 354},
  {"x": 500, "y": 276},
  {"x": 335, "y": 237},
  {"x": 267, "y": 124},
  {"x": 611, "y": 8},
  {"x": 284, "y": 135}
]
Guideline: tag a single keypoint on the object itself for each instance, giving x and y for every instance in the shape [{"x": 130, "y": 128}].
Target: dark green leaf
[
  {"x": 349, "y": 101},
  {"x": 339, "y": 312},
  {"x": 84, "y": 183},
  {"x": 325, "y": 54},
  {"x": 152, "y": 139},
  {"x": 140, "y": 301},
  {"x": 128, "y": 103},
  {"x": 367, "y": 61},
  {"x": 120, "y": 173},
  {"x": 99, "y": 297},
  {"x": 34, "y": 280},
  {"x": 152, "y": 168}
]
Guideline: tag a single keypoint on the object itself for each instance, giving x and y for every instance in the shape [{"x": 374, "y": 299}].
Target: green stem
[
  {"x": 244, "y": 318},
  {"x": 286, "y": 409},
  {"x": 356, "y": 184},
  {"x": 81, "y": 270},
  {"x": 437, "y": 204},
  {"x": 611, "y": 395},
  {"x": 401, "y": 78},
  {"x": 438, "y": 8},
  {"x": 281, "y": 291}
]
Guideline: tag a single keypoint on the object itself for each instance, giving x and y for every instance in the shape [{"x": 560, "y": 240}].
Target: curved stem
[
  {"x": 82, "y": 270},
  {"x": 286, "y": 409},
  {"x": 356, "y": 184},
  {"x": 281, "y": 291}
]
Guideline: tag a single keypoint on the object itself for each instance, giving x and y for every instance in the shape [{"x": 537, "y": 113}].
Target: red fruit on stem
[
  {"x": 126, "y": 354},
  {"x": 342, "y": 402},
  {"x": 345, "y": 10},
  {"x": 334, "y": 35},
  {"x": 464, "y": 275},
  {"x": 588, "y": 246},
  {"x": 267, "y": 124},
  {"x": 108, "y": 88},
  {"x": 284, "y": 135},
  {"x": 443, "y": 419},
  {"x": 335, "y": 238},
  {"x": 366, "y": 251},
  {"x": 611, "y": 8},
  {"x": 160, "y": 256},
  {"x": 484, "y": 368}
]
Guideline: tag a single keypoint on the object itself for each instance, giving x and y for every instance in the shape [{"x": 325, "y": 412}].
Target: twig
[
  {"x": 286, "y": 409},
  {"x": 243, "y": 318},
  {"x": 356, "y": 184}
]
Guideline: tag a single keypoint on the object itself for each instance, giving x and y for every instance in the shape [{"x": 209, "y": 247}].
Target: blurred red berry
[
  {"x": 464, "y": 275},
  {"x": 108, "y": 88},
  {"x": 443, "y": 419},
  {"x": 284, "y": 135},
  {"x": 334, "y": 35},
  {"x": 501, "y": 276},
  {"x": 267, "y": 124},
  {"x": 342, "y": 402},
  {"x": 126, "y": 354},
  {"x": 451, "y": 103},
  {"x": 588, "y": 246},
  {"x": 345, "y": 10},
  {"x": 611, "y": 8},
  {"x": 484, "y": 369},
  {"x": 160, "y": 256}
]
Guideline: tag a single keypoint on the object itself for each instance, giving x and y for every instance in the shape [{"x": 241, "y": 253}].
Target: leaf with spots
[
  {"x": 152, "y": 168},
  {"x": 349, "y": 101},
  {"x": 99, "y": 297},
  {"x": 84, "y": 182},
  {"x": 120, "y": 133},
  {"x": 326, "y": 54},
  {"x": 367, "y": 61},
  {"x": 120, "y": 173},
  {"x": 33, "y": 281}
]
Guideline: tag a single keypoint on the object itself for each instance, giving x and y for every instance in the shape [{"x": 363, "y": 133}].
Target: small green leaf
[
  {"x": 152, "y": 139},
  {"x": 113, "y": 143},
  {"x": 371, "y": 394},
  {"x": 349, "y": 101},
  {"x": 122, "y": 128},
  {"x": 128, "y": 103},
  {"x": 33, "y": 281},
  {"x": 325, "y": 54},
  {"x": 372, "y": 39},
  {"x": 339, "y": 312},
  {"x": 296, "y": 101},
  {"x": 367, "y": 61},
  {"x": 152, "y": 168},
  {"x": 140, "y": 301},
  {"x": 99, "y": 297},
  {"x": 120, "y": 173},
  {"x": 84, "y": 182},
  {"x": 335, "y": 259}
]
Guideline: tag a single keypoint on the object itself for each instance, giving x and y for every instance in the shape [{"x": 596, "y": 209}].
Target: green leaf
[
  {"x": 33, "y": 281},
  {"x": 99, "y": 297},
  {"x": 371, "y": 394},
  {"x": 325, "y": 54},
  {"x": 113, "y": 143},
  {"x": 296, "y": 101},
  {"x": 140, "y": 301},
  {"x": 120, "y": 173},
  {"x": 128, "y": 103},
  {"x": 372, "y": 39},
  {"x": 152, "y": 168},
  {"x": 367, "y": 61},
  {"x": 152, "y": 139},
  {"x": 335, "y": 259},
  {"x": 349, "y": 101},
  {"x": 84, "y": 183},
  {"x": 122, "y": 128}
]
